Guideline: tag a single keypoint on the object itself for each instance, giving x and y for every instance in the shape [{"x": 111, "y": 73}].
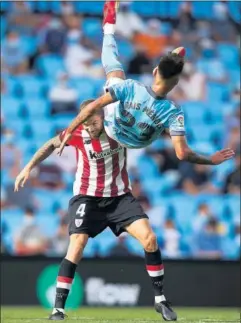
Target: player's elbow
[{"x": 182, "y": 154}]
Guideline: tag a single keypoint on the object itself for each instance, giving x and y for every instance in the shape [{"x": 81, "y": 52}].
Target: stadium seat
[
  {"x": 43, "y": 6},
  {"x": 126, "y": 49},
  {"x": 92, "y": 28},
  {"x": 19, "y": 126},
  {"x": 37, "y": 108},
  {"x": 203, "y": 9},
  {"x": 233, "y": 204},
  {"x": 134, "y": 246},
  {"x": 50, "y": 65},
  {"x": 41, "y": 128},
  {"x": 172, "y": 8},
  {"x": 229, "y": 54},
  {"x": 95, "y": 7},
  {"x": 32, "y": 87},
  {"x": 195, "y": 111},
  {"x": 90, "y": 249},
  {"x": 48, "y": 223},
  {"x": 45, "y": 201},
  {"x": 3, "y": 25},
  {"x": 85, "y": 88},
  {"x": 105, "y": 242},
  {"x": 147, "y": 11},
  {"x": 11, "y": 107}
]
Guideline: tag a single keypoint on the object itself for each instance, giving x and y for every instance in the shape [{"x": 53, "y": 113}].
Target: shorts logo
[{"x": 78, "y": 222}]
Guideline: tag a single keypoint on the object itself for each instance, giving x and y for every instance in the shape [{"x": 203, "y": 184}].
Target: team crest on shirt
[{"x": 78, "y": 222}]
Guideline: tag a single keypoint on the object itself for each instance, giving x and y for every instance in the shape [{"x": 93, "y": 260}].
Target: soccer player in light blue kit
[{"x": 136, "y": 115}]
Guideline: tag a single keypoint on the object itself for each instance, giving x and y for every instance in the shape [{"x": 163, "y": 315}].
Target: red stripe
[
  {"x": 124, "y": 174},
  {"x": 86, "y": 169},
  {"x": 63, "y": 279},
  {"x": 115, "y": 167},
  {"x": 100, "y": 168},
  {"x": 155, "y": 268}
]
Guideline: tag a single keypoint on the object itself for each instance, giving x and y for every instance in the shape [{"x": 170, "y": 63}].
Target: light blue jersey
[{"x": 140, "y": 116}]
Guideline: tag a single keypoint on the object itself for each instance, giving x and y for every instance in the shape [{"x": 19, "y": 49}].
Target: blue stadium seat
[
  {"x": 230, "y": 249},
  {"x": 29, "y": 44},
  {"x": 37, "y": 108},
  {"x": 234, "y": 10},
  {"x": 61, "y": 122},
  {"x": 195, "y": 111},
  {"x": 43, "y": 6},
  {"x": 92, "y": 28},
  {"x": 203, "y": 9},
  {"x": 11, "y": 107},
  {"x": 3, "y": 25},
  {"x": 19, "y": 126},
  {"x": 50, "y": 65},
  {"x": 134, "y": 246},
  {"x": 85, "y": 87},
  {"x": 172, "y": 8},
  {"x": 42, "y": 129},
  {"x": 105, "y": 242},
  {"x": 200, "y": 132},
  {"x": 147, "y": 11},
  {"x": 45, "y": 201},
  {"x": 90, "y": 249},
  {"x": 93, "y": 7},
  {"x": 233, "y": 203},
  {"x": 126, "y": 49},
  {"x": 5, "y": 5},
  {"x": 32, "y": 86},
  {"x": 229, "y": 54}
]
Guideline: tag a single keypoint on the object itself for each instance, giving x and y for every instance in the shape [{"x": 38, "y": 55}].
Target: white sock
[
  {"x": 109, "y": 29},
  {"x": 159, "y": 299},
  {"x": 55, "y": 310}
]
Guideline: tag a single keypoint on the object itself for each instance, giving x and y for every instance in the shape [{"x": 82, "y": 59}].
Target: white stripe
[
  {"x": 156, "y": 273},
  {"x": 105, "y": 145},
  {"x": 63, "y": 285},
  {"x": 159, "y": 299},
  {"x": 93, "y": 171},
  {"x": 55, "y": 310},
  {"x": 78, "y": 175},
  {"x": 119, "y": 181}
]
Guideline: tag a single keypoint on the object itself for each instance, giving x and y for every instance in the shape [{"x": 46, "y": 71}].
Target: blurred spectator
[
  {"x": 48, "y": 176},
  {"x": 202, "y": 216},
  {"x": 187, "y": 89},
  {"x": 233, "y": 180},
  {"x": 21, "y": 18},
  {"x": 10, "y": 154},
  {"x": 151, "y": 40},
  {"x": 67, "y": 8},
  {"x": 120, "y": 249},
  {"x": 61, "y": 240},
  {"x": 14, "y": 57},
  {"x": 171, "y": 238},
  {"x": 185, "y": 22},
  {"x": 140, "y": 63},
  {"x": 80, "y": 61},
  {"x": 156, "y": 214},
  {"x": 237, "y": 235},
  {"x": 67, "y": 161},
  {"x": 62, "y": 96},
  {"x": 30, "y": 240},
  {"x": 195, "y": 178},
  {"x": 208, "y": 242},
  {"x": 126, "y": 17},
  {"x": 55, "y": 37}
]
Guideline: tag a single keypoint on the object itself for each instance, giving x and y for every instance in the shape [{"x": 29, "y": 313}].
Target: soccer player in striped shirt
[{"x": 102, "y": 198}]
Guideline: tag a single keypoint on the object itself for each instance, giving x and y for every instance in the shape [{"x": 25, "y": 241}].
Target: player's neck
[{"x": 159, "y": 89}]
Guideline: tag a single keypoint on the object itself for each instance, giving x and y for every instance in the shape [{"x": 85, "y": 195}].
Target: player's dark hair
[
  {"x": 170, "y": 65},
  {"x": 85, "y": 103}
]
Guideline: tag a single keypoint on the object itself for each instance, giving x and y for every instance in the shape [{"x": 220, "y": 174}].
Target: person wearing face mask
[
  {"x": 63, "y": 98},
  {"x": 29, "y": 240},
  {"x": 14, "y": 57}
]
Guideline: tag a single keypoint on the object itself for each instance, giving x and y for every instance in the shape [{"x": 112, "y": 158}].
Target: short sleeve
[
  {"x": 119, "y": 91},
  {"x": 177, "y": 125},
  {"x": 75, "y": 140}
]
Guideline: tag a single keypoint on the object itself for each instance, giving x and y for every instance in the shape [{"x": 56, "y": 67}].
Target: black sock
[
  {"x": 64, "y": 281},
  {"x": 155, "y": 269}
]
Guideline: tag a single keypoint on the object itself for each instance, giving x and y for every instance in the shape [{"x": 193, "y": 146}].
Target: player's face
[{"x": 94, "y": 125}]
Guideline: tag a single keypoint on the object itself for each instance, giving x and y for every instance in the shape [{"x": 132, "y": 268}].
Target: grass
[{"x": 121, "y": 315}]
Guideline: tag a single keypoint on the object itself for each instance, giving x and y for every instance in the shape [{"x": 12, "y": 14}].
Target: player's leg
[
  {"x": 110, "y": 56},
  {"x": 129, "y": 216},
  {"x": 84, "y": 222},
  {"x": 142, "y": 231},
  {"x": 66, "y": 273}
]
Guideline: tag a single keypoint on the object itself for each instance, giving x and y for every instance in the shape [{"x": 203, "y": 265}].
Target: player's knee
[
  {"x": 150, "y": 242},
  {"x": 76, "y": 247}
]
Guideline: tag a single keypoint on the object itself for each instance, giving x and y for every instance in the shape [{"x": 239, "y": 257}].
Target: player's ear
[{"x": 155, "y": 71}]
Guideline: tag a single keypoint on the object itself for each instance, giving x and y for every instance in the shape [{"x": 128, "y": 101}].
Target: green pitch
[{"x": 120, "y": 315}]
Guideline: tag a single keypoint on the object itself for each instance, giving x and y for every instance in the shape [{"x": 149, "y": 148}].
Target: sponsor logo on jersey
[{"x": 103, "y": 154}]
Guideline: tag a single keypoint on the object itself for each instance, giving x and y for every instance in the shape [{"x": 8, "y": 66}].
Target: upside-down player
[{"x": 136, "y": 115}]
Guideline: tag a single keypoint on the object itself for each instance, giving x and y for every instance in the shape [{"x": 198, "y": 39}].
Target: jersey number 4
[{"x": 80, "y": 212}]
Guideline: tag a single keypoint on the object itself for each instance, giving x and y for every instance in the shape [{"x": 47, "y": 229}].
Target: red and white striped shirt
[{"x": 101, "y": 165}]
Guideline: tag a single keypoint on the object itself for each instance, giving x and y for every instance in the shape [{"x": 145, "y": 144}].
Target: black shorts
[{"x": 92, "y": 215}]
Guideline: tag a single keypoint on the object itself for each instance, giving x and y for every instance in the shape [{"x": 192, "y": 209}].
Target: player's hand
[
  {"x": 222, "y": 155},
  {"x": 63, "y": 143},
  {"x": 21, "y": 179}
]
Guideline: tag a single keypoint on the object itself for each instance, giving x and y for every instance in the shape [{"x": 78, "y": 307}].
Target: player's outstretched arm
[
  {"x": 84, "y": 114},
  {"x": 44, "y": 152},
  {"x": 183, "y": 152}
]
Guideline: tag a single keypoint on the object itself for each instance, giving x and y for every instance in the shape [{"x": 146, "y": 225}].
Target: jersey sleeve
[
  {"x": 177, "y": 125},
  {"x": 75, "y": 138},
  {"x": 119, "y": 91}
]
